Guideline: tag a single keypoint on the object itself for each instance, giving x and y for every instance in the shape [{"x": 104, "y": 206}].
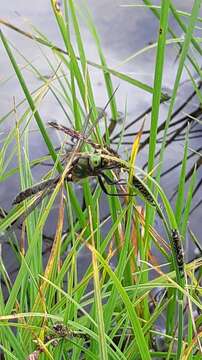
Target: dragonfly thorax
[
  {"x": 82, "y": 168},
  {"x": 86, "y": 166}
]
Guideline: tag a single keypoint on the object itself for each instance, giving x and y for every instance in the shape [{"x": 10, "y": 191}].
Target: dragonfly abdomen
[
  {"x": 177, "y": 245},
  {"x": 33, "y": 190},
  {"x": 143, "y": 190}
]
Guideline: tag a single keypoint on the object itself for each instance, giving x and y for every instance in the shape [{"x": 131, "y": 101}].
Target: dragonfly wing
[{"x": 74, "y": 134}]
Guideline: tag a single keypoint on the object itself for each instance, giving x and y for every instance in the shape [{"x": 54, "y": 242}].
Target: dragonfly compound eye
[{"x": 95, "y": 161}]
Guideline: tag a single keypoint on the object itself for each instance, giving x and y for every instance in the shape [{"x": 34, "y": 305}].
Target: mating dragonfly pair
[{"x": 84, "y": 165}]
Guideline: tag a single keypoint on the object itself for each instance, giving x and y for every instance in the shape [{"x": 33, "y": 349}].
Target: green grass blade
[
  {"x": 98, "y": 301},
  {"x": 159, "y": 67},
  {"x": 117, "y": 74},
  {"x": 188, "y": 204},
  {"x": 181, "y": 187},
  {"x": 29, "y": 99},
  {"x": 108, "y": 81},
  {"x": 183, "y": 27},
  {"x": 190, "y": 58},
  {"x": 183, "y": 55},
  {"x": 141, "y": 343}
]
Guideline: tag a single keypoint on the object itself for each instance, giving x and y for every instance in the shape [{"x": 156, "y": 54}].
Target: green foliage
[{"x": 105, "y": 313}]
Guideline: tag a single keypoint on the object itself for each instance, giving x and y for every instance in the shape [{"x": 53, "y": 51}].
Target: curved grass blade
[
  {"x": 30, "y": 100},
  {"x": 117, "y": 74},
  {"x": 141, "y": 343}
]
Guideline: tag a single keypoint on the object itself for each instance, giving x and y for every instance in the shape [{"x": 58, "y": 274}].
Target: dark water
[{"x": 123, "y": 32}]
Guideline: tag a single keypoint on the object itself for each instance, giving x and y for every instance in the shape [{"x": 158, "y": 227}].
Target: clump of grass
[{"x": 107, "y": 313}]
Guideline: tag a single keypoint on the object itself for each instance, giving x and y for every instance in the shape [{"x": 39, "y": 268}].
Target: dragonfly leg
[
  {"x": 102, "y": 185},
  {"x": 112, "y": 182}
]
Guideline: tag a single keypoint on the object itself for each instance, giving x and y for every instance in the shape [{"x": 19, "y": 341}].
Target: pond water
[{"x": 123, "y": 31}]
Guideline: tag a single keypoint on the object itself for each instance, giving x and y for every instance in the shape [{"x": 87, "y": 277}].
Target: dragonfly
[
  {"x": 87, "y": 165},
  {"x": 60, "y": 332}
]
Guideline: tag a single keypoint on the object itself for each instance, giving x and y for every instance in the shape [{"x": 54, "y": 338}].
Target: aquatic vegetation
[{"x": 110, "y": 306}]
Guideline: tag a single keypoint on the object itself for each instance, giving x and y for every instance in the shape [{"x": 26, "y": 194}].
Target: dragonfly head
[{"x": 95, "y": 161}]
